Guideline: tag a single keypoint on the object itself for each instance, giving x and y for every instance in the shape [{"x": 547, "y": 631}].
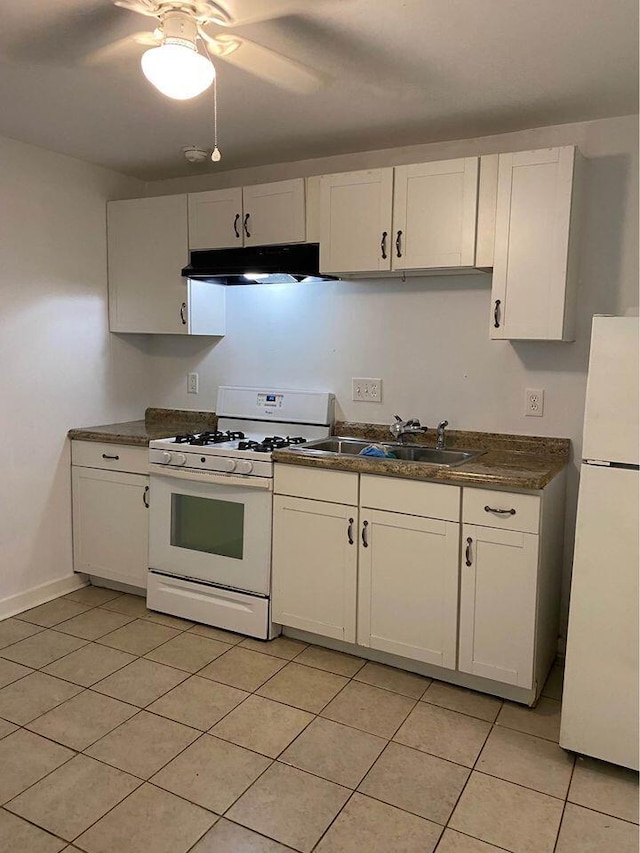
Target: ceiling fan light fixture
[{"x": 177, "y": 69}]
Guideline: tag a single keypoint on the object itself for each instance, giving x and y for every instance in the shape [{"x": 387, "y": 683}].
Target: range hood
[{"x": 292, "y": 262}]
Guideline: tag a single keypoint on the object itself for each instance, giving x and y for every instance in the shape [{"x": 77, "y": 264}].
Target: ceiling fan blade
[
  {"x": 121, "y": 48},
  {"x": 243, "y": 12},
  {"x": 267, "y": 64},
  {"x": 142, "y": 7}
]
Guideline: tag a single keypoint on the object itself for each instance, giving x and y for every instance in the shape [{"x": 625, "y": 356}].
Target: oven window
[{"x": 203, "y": 524}]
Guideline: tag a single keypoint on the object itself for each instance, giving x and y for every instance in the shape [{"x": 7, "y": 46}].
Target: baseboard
[{"x": 40, "y": 594}]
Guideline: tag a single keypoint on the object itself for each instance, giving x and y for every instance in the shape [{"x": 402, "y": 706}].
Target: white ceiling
[{"x": 397, "y": 72}]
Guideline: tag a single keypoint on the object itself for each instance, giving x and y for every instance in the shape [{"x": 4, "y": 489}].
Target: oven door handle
[{"x": 214, "y": 477}]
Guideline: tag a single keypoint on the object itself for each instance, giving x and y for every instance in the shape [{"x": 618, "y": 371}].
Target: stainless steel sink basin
[{"x": 341, "y": 446}]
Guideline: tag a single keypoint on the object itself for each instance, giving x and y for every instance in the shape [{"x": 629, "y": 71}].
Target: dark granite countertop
[
  {"x": 510, "y": 461},
  {"x": 157, "y": 423}
]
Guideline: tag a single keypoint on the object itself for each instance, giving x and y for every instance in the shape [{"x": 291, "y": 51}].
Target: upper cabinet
[
  {"x": 420, "y": 217},
  {"x": 246, "y": 216},
  {"x": 535, "y": 252}
]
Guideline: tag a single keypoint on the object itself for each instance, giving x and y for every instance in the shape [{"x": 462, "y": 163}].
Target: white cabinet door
[
  {"x": 274, "y": 213},
  {"x": 498, "y": 582},
  {"x": 148, "y": 247},
  {"x": 533, "y": 268},
  {"x": 215, "y": 219},
  {"x": 110, "y": 524},
  {"x": 355, "y": 221},
  {"x": 408, "y": 586},
  {"x": 315, "y": 566},
  {"x": 435, "y": 209}
]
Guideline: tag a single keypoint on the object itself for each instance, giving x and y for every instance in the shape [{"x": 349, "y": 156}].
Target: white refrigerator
[{"x": 600, "y": 702}]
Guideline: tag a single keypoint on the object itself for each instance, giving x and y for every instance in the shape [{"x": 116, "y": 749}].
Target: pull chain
[{"x": 216, "y": 156}]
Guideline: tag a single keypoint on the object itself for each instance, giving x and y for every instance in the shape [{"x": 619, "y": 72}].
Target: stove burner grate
[
  {"x": 270, "y": 443},
  {"x": 205, "y": 438}
]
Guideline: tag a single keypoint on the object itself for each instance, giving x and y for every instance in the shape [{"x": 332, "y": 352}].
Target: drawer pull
[
  {"x": 235, "y": 225},
  {"x": 365, "y": 542},
  {"x": 145, "y": 497},
  {"x": 496, "y": 314},
  {"x": 106, "y": 456},
  {"x": 350, "y": 531},
  {"x": 500, "y": 511},
  {"x": 245, "y": 224},
  {"x": 399, "y": 244},
  {"x": 467, "y": 552},
  {"x": 383, "y": 246},
  {"x": 183, "y": 317}
]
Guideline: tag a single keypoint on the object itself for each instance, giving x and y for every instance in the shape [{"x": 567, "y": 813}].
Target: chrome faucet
[
  {"x": 440, "y": 443},
  {"x": 401, "y": 428}
]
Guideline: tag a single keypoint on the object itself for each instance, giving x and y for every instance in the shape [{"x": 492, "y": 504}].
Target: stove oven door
[{"x": 213, "y": 528}]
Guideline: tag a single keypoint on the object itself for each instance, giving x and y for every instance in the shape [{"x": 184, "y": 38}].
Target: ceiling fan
[{"x": 176, "y": 66}]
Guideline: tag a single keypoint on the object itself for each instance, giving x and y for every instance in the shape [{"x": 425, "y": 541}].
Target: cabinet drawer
[
  {"x": 333, "y": 486},
  {"x": 431, "y": 500},
  {"x": 111, "y": 457},
  {"x": 504, "y": 510}
]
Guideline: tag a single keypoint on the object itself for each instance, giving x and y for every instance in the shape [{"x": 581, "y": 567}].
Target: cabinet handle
[
  {"x": 496, "y": 314},
  {"x": 398, "y": 244},
  {"x": 106, "y": 456},
  {"x": 183, "y": 317},
  {"x": 383, "y": 246},
  {"x": 350, "y": 531},
  {"x": 235, "y": 225},
  {"x": 145, "y": 497},
  {"x": 467, "y": 553},
  {"x": 500, "y": 511},
  {"x": 244, "y": 224},
  {"x": 365, "y": 543}
]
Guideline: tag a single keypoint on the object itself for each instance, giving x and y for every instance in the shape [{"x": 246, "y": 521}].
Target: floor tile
[
  {"x": 42, "y": 648},
  {"x": 464, "y": 701},
  {"x": 605, "y": 788},
  {"x": 336, "y": 662},
  {"x": 140, "y": 682},
  {"x": 132, "y": 605},
  {"x": 227, "y": 837},
  {"x": 456, "y": 842},
  {"x": 143, "y": 744},
  {"x": 541, "y": 721},
  {"x": 139, "y": 637},
  {"x": 553, "y": 685},
  {"x": 585, "y": 831},
  {"x": 212, "y": 773},
  {"x": 92, "y": 596},
  {"x": 6, "y": 728},
  {"x": 94, "y": 623},
  {"x": 150, "y": 820},
  {"x": 50, "y": 614},
  {"x": 368, "y": 825},
  {"x": 169, "y": 621},
  {"x": 198, "y": 702},
  {"x": 89, "y": 664},
  {"x": 80, "y": 721},
  {"x": 25, "y": 758},
  {"x": 444, "y": 733},
  {"x": 507, "y": 815},
  {"x": 18, "y": 836},
  {"x": 416, "y": 782},
  {"x": 69, "y": 800},
  {"x": 391, "y": 678},
  {"x": 262, "y": 725},
  {"x": 189, "y": 652},
  {"x": 335, "y": 752},
  {"x": 216, "y": 634},
  {"x": 33, "y": 695},
  {"x": 280, "y": 647},
  {"x": 10, "y": 672},
  {"x": 242, "y": 668},
  {"x": 526, "y": 760},
  {"x": 14, "y": 630},
  {"x": 290, "y": 806},
  {"x": 369, "y": 708},
  {"x": 303, "y": 687}
]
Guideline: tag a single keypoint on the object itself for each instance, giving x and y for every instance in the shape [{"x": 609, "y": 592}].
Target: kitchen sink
[{"x": 341, "y": 446}]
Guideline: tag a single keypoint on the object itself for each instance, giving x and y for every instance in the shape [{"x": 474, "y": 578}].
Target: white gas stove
[{"x": 211, "y": 507}]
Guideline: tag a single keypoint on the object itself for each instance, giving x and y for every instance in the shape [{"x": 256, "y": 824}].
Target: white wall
[
  {"x": 427, "y": 338},
  {"x": 60, "y": 366}
]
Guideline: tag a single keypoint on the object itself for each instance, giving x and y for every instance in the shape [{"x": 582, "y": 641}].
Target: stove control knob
[
  {"x": 165, "y": 457},
  {"x": 244, "y": 467},
  {"x": 178, "y": 458},
  {"x": 227, "y": 465}
]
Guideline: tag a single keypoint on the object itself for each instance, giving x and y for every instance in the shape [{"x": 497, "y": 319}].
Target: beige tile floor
[{"x": 128, "y": 731}]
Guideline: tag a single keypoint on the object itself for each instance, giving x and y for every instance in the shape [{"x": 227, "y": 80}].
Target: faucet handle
[{"x": 442, "y": 425}]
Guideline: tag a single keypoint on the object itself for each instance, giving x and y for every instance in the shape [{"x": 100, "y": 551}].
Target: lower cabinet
[{"x": 110, "y": 518}]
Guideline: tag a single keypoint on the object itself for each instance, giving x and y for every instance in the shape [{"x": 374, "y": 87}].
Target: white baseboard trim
[{"x": 40, "y": 594}]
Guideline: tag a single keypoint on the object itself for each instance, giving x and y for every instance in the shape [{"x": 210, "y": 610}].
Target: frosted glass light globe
[{"x": 177, "y": 71}]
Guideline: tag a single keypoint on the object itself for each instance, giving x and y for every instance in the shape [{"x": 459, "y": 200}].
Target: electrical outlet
[
  {"x": 192, "y": 383},
  {"x": 367, "y": 390},
  {"x": 534, "y": 402}
]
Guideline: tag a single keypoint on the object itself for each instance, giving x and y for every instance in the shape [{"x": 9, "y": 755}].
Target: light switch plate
[
  {"x": 367, "y": 390},
  {"x": 192, "y": 383}
]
